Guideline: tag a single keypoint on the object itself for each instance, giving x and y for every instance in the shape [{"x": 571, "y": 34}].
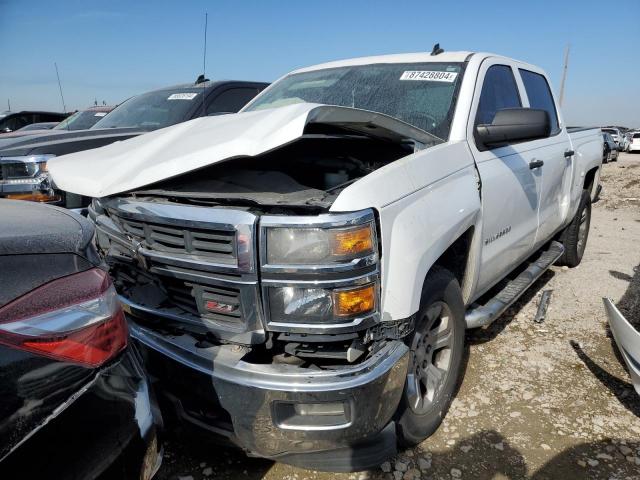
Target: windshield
[
  {"x": 421, "y": 94},
  {"x": 152, "y": 110},
  {"x": 80, "y": 120}
]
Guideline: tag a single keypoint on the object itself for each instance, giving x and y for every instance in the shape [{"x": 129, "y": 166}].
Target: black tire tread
[{"x": 569, "y": 237}]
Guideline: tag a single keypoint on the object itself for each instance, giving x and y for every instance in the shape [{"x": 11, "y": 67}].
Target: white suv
[{"x": 634, "y": 143}]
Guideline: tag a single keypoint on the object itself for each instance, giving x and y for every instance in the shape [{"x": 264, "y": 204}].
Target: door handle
[
  {"x": 536, "y": 164},
  {"x": 569, "y": 153}
]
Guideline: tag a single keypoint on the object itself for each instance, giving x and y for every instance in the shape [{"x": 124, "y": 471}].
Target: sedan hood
[{"x": 201, "y": 142}]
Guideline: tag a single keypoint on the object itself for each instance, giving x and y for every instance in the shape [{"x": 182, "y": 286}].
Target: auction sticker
[
  {"x": 182, "y": 96},
  {"x": 429, "y": 76},
  {"x": 99, "y": 114}
]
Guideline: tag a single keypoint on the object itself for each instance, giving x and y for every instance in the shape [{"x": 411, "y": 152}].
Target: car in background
[
  {"x": 609, "y": 148},
  {"x": 634, "y": 142},
  {"x": 616, "y": 134},
  {"x": 12, "y": 121},
  {"x": 36, "y": 126},
  {"x": 72, "y": 389},
  {"x": 79, "y": 120},
  {"x": 23, "y": 162},
  {"x": 84, "y": 119}
]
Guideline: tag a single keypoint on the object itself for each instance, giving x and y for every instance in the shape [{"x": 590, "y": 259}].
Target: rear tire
[
  {"x": 436, "y": 363},
  {"x": 575, "y": 235}
]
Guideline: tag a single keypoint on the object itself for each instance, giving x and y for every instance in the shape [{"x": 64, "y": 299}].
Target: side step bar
[{"x": 484, "y": 315}]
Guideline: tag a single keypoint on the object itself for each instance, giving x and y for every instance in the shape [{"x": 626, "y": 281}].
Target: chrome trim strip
[
  {"x": 354, "y": 264},
  {"x": 331, "y": 283}
]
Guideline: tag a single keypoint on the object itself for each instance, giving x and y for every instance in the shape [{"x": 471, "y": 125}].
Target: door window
[
  {"x": 499, "y": 91},
  {"x": 231, "y": 100},
  {"x": 540, "y": 96}
]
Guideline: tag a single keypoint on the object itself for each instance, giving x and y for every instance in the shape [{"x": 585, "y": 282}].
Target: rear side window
[
  {"x": 231, "y": 100},
  {"x": 499, "y": 91},
  {"x": 540, "y": 96},
  {"x": 636, "y": 135}
]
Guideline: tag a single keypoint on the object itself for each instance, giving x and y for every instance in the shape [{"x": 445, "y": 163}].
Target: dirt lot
[{"x": 537, "y": 401}]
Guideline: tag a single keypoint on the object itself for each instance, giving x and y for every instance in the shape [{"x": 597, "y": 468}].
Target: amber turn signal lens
[
  {"x": 356, "y": 301},
  {"x": 34, "y": 197},
  {"x": 353, "y": 241}
]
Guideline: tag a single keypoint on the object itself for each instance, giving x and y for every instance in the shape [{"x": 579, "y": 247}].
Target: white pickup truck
[{"x": 299, "y": 275}]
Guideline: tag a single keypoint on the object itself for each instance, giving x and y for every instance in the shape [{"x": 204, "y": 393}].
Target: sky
[{"x": 111, "y": 50}]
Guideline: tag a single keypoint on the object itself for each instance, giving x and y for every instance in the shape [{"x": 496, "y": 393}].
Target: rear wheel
[
  {"x": 436, "y": 364},
  {"x": 574, "y": 237}
]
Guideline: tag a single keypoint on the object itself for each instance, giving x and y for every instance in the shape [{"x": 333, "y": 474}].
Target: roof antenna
[
  {"x": 64, "y": 107},
  {"x": 9, "y": 104},
  {"x": 204, "y": 64},
  {"x": 565, "y": 67},
  {"x": 436, "y": 50}
]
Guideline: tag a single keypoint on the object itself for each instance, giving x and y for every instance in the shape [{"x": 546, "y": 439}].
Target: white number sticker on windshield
[
  {"x": 182, "y": 96},
  {"x": 99, "y": 114},
  {"x": 429, "y": 76}
]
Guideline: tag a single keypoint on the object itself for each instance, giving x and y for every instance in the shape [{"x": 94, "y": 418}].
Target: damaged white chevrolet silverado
[{"x": 300, "y": 275}]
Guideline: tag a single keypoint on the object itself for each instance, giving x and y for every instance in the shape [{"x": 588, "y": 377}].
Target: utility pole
[{"x": 564, "y": 72}]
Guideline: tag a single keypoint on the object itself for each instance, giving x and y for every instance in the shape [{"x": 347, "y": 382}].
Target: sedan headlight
[{"x": 319, "y": 246}]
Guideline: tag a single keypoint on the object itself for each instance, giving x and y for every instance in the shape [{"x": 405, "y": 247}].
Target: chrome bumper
[{"x": 261, "y": 399}]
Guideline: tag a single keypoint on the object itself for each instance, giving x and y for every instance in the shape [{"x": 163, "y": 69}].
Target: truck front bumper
[{"x": 336, "y": 419}]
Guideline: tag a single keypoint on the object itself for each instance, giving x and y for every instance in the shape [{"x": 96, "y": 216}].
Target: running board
[{"x": 484, "y": 315}]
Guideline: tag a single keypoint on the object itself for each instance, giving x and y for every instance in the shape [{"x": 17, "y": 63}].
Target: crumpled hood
[{"x": 187, "y": 146}]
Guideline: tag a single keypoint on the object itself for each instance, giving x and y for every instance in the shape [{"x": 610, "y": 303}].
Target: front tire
[
  {"x": 436, "y": 364},
  {"x": 575, "y": 235}
]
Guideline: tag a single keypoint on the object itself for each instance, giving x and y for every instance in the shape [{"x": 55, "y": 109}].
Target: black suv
[{"x": 23, "y": 160}]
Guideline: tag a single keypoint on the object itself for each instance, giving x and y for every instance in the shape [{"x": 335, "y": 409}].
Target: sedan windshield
[
  {"x": 80, "y": 120},
  {"x": 152, "y": 110},
  {"x": 421, "y": 94}
]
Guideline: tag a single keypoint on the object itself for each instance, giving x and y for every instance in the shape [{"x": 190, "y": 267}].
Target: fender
[{"x": 425, "y": 202}]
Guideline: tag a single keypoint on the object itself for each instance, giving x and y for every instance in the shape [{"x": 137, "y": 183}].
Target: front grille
[
  {"x": 214, "y": 244},
  {"x": 188, "y": 265},
  {"x": 211, "y": 302}
]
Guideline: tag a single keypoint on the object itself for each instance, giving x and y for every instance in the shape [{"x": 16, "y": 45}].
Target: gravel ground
[{"x": 537, "y": 401}]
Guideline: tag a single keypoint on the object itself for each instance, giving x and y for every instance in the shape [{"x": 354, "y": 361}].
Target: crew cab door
[
  {"x": 553, "y": 154},
  {"x": 510, "y": 189}
]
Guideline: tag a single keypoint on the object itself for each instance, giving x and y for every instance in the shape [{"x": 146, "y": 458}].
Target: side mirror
[
  {"x": 514, "y": 125},
  {"x": 6, "y": 130}
]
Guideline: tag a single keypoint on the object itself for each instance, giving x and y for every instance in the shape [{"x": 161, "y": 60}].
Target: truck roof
[
  {"x": 418, "y": 57},
  {"x": 422, "y": 57}
]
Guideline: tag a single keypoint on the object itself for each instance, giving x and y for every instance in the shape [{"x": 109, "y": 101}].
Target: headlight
[
  {"x": 23, "y": 169},
  {"x": 320, "y": 273},
  {"x": 319, "y": 246},
  {"x": 319, "y": 305}
]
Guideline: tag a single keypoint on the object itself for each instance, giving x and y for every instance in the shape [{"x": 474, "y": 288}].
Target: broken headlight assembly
[{"x": 320, "y": 274}]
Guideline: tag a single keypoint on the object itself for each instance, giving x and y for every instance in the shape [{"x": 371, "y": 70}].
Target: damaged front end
[{"x": 257, "y": 309}]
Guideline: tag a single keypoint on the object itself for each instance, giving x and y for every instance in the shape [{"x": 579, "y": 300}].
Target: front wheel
[
  {"x": 574, "y": 237},
  {"x": 436, "y": 364}
]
